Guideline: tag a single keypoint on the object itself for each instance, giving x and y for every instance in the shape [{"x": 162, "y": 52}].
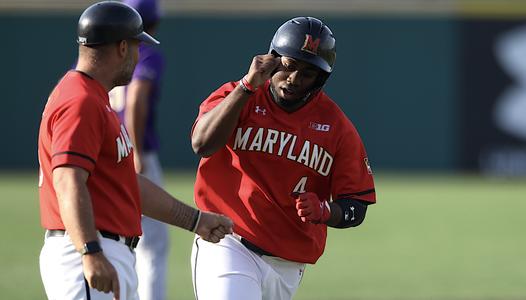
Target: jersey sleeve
[
  {"x": 77, "y": 133},
  {"x": 353, "y": 176},
  {"x": 214, "y": 99},
  {"x": 149, "y": 67}
]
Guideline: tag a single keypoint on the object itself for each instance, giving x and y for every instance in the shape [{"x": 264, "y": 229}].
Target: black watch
[{"x": 90, "y": 248}]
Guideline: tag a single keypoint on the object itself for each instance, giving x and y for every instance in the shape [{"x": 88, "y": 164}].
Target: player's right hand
[
  {"x": 262, "y": 68},
  {"x": 213, "y": 227},
  {"x": 100, "y": 274},
  {"x": 311, "y": 209}
]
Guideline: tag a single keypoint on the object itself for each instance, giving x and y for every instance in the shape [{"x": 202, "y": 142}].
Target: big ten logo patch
[
  {"x": 319, "y": 127},
  {"x": 124, "y": 145}
]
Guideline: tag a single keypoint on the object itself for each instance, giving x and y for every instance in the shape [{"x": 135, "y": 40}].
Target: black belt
[
  {"x": 131, "y": 242},
  {"x": 255, "y": 248}
]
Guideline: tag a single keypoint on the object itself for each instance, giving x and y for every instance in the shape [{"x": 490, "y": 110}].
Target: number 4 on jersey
[{"x": 300, "y": 186}]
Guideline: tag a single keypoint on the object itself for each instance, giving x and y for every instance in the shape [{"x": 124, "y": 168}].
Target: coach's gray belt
[
  {"x": 131, "y": 242},
  {"x": 252, "y": 247}
]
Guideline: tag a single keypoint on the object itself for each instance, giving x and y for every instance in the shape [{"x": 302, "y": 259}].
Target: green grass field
[{"x": 429, "y": 237}]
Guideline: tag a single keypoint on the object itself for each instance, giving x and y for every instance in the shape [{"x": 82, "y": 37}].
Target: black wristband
[{"x": 90, "y": 248}]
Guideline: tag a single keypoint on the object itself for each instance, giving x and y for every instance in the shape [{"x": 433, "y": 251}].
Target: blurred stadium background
[{"x": 437, "y": 89}]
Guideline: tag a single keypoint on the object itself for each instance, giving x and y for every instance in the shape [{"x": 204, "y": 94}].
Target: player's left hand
[
  {"x": 213, "y": 227},
  {"x": 311, "y": 209}
]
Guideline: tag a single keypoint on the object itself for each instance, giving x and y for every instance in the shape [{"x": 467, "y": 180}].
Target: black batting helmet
[
  {"x": 110, "y": 21},
  {"x": 309, "y": 40}
]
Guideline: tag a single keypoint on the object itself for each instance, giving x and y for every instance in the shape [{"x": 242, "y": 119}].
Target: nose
[{"x": 294, "y": 78}]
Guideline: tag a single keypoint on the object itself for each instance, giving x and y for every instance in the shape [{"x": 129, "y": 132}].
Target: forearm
[
  {"x": 75, "y": 205},
  {"x": 136, "y": 124},
  {"x": 137, "y": 111},
  {"x": 214, "y": 128},
  {"x": 336, "y": 215},
  {"x": 160, "y": 205}
]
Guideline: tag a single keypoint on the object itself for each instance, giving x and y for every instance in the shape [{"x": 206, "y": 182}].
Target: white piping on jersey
[{"x": 272, "y": 141}]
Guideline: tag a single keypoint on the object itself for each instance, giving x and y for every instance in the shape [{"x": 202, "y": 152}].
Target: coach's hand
[
  {"x": 100, "y": 274},
  {"x": 261, "y": 69},
  {"x": 213, "y": 227},
  {"x": 311, "y": 209}
]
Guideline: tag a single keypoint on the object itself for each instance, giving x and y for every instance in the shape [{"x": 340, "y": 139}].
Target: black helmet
[
  {"x": 110, "y": 21},
  {"x": 306, "y": 39}
]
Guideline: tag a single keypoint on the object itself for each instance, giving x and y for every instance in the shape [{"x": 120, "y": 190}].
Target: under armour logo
[
  {"x": 311, "y": 45},
  {"x": 260, "y": 110},
  {"x": 347, "y": 215}
]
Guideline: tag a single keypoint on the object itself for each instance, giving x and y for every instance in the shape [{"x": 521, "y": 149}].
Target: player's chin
[
  {"x": 291, "y": 99},
  {"x": 124, "y": 80}
]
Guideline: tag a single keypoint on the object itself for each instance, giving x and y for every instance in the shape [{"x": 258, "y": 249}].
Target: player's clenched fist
[
  {"x": 261, "y": 69},
  {"x": 213, "y": 227},
  {"x": 311, "y": 209}
]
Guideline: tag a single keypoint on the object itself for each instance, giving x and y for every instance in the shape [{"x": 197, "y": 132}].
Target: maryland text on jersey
[
  {"x": 274, "y": 142},
  {"x": 124, "y": 144}
]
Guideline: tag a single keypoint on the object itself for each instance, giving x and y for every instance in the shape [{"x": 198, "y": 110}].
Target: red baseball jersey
[
  {"x": 79, "y": 128},
  {"x": 273, "y": 153}
]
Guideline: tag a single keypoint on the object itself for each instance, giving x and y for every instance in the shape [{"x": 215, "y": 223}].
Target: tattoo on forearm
[{"x": 183, "y": 215}]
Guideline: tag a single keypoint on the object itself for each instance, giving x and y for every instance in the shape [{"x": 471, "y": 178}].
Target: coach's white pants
[
  {"x": 63, "y": 276},
  {"x": 152, "y": 250},
  {"x": 229, "y": 271}
]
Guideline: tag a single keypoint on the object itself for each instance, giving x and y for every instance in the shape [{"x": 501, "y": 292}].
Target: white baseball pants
[
  {"x": 63, "y": 277},
  {"x": 152, "y": 250},
  {"x": 229, "y": 271}
]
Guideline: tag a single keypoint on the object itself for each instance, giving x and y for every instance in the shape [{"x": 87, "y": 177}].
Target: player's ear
[{"x": 123, "y": 48}]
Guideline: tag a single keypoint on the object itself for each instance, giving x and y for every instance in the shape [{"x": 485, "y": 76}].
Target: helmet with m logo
[
  {"x": 309, "y": 40},
  {"x": 111, "y": 21}
]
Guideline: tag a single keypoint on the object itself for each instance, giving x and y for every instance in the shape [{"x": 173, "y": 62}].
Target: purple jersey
[{"x": 149, "y": 67}]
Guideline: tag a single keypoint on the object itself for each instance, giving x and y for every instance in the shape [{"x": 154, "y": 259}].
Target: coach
[{"x": 91, "y": 199}]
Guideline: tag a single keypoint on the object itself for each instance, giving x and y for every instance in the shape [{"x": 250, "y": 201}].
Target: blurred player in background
[
  {"x": 136, "y": 105},
  {"x": 284, "y": 162},
  {"x": 91, "y": 198}
]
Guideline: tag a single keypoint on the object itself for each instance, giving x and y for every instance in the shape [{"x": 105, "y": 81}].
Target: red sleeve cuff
[{"x": 74, "y": 159}]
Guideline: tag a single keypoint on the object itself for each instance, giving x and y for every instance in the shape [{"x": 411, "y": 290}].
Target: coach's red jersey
[
  {"x": 273, "y": 153},
  {"x": 80, "y": 129}
]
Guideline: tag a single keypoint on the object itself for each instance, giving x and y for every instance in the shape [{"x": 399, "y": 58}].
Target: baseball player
[
  {"x": 91, "y": 199},
  {"x": 136, "y": 105},
  {"x": 282, "y": 160}
]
